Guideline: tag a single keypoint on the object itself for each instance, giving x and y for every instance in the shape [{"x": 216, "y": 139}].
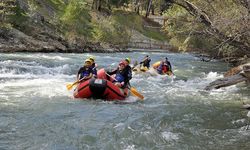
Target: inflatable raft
[
  {"x": 100, "y": 88},
  {"x": 157, "y": 64},
  {"x": 152, "y": 71},
  {"x": 140, "y": 69}
]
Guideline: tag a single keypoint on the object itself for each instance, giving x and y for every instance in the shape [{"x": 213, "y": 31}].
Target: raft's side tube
[{"x": 156, "y": 64}]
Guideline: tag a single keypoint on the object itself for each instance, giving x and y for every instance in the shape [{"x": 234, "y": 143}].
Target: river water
[{"x": 37, "y": 111}]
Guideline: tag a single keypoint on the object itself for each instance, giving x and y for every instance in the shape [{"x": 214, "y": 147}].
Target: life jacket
[
  {"x": 85, "y": 72},
  {"x": 93, "y": 67},
  {"x": 119, "y": 77},
  {"x": 127, "y": 73},
  {"x": 165, "y": 69}
]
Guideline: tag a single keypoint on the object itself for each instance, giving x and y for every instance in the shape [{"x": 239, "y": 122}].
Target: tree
[
  {"x": 148, "y": 7},
  {"x": 229, "y": 27},
  {"x": 6, "y": 10}
]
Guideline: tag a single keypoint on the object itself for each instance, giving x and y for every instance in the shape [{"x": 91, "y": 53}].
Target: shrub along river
[{"x": 38, "y": 112}]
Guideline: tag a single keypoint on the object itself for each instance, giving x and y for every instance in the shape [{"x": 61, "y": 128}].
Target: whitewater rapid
[{"x": 38, "y": 112}]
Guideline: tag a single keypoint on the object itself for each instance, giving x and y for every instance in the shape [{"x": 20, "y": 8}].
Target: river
[{"x": 38, "y": 112}]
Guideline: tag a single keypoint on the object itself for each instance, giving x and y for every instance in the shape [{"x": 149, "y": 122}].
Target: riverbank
[{"x": 14, "y": 40}]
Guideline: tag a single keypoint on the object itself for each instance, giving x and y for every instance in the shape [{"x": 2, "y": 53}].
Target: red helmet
[{"x": 122, "y": 63}]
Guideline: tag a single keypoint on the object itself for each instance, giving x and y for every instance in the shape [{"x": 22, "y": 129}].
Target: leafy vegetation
[
  {"x": 75, "y": 20},
  {"x": 216, "y": 27}
]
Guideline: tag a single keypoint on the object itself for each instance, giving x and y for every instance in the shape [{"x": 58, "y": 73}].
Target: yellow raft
[
  {"x": 140, "y": 69},
  {"x": 157, "y": 64}
]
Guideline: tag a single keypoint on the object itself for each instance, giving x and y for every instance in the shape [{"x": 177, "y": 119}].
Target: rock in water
[{"x": 233, "y": 76}]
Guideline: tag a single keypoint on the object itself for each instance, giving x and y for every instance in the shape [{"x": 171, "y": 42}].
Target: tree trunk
[
  {"x": 233, "y": 76},
  {"x": 197, "y": 12},
  {"x": 137, "y": 7},
  {"x": 96, "y": 5},
  {"x": 149, "y": 4},
  {"x": 153, "y": 10},
  {"x": 226, "y": 82}
]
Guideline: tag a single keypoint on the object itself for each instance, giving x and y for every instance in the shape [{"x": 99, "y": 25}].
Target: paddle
[
  {"x": 70, "y": 86},
  {"x": 136, "y": 93},
  {"x": 132, "y": 89}
]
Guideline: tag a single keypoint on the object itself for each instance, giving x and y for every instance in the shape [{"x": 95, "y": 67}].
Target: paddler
[
  {"x": 93, "y": 66},
  {"x": 86, "y": 71},
  {"x": 128, "y": 71},
  {"x": 168, "y": 63},
  {"x": 164, "y": 67},
  {"x": 146, "y": 61},
  {"x": 120, "y": 75}
]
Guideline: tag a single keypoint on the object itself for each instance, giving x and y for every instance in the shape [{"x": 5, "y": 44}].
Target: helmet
[
  {"x": 87, "y": 60},
  {"x": 92, "y": 58},
  {"x": 122, "y": 63},
  {"x": 128, "y": 60}
]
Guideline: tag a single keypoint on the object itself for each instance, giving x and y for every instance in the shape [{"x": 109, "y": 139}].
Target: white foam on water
[
  {"x": 53, "y": 57},
  {"x": 225, "y": 91},
  {"x": 248, "y": 114},
  {"x": 169, "y": 136},
  {"x": 213, "y": 76},
  {"x": 12, "y": 75},
  {"x": 30, "y": 69},
  {"x": 130, "y": 147},
  {"x": 37, "y": 56},
  {"x": 49, "y": 87},
  {"x": 131, "y": 99},
  {"x": 118, "y": 125},
  {"x": 238, "y": 121}
]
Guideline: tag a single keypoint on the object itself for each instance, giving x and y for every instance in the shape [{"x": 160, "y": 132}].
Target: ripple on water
[{"x": 37, "y": 112}]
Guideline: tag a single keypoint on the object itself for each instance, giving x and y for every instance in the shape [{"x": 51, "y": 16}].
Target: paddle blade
[
  {"x": 69, "y": 86},
  {"x": 136, "y": 93}
]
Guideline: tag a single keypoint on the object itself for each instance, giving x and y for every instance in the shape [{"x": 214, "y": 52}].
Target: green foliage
[
  {"x": 136, "y": 22},
  {"x": 128, "y": 19},
  {"x": 20, "y": 17},
  {"x": 185, "y": 32},
  {"x": 228, "y": 17},
  {"x": 108, "y": 30},
  {"x": 6, "y": 12},
  {"x": 117, "y": 28},
  {"x": 154, "y": 34},
  {"x": 118, "y": 3},
  {"x": 58, "y": 7},
  {"x": 76, "y": 19},
  {"x": 178, "y": 27}
]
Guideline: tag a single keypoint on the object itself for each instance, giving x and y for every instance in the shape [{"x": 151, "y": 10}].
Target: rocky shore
[{"x": 14, "y": 40}]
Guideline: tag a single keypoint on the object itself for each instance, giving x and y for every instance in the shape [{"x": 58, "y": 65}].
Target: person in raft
[
  {"x": 120, "y": 75},
  {"x": 168, "y": 63},
  {"x": 146, "y": 61},
  {"x": 86, "y": 71},
  {"x": 164, "y": 67},
  {"x": 93, "y": 66},
  {"x": 128, "y": 71}
]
